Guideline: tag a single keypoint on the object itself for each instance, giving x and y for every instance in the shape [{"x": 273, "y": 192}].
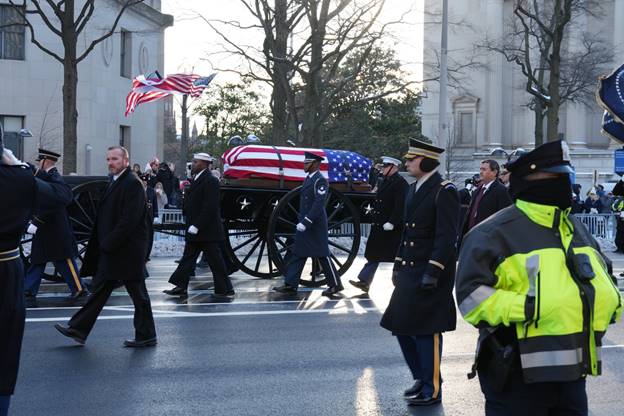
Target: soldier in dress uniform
[
  {"x": 422, "y": 305},
  {"x": 53, "y": 239},
  {"x": 22, "y": 193},
  {"x": 387, "y": 226},
  {"x": 311, "y": 237}
]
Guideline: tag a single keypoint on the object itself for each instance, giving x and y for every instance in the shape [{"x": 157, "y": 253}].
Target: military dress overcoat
[{"x": 313, "y": 242}]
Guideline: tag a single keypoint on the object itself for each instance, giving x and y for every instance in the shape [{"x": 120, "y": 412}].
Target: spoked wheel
[
  {"x": 82, "y": 212},
  {"x": 24, "y": 248},
  {"x": 247, "y": 245},
  {"x": 344, "y": 234}
]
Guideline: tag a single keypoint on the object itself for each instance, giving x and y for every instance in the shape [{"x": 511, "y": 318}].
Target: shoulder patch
[{"x": 447, "y": 184}]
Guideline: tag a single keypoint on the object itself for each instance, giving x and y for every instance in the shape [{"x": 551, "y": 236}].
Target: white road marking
[{"x": 169, "y": 314}]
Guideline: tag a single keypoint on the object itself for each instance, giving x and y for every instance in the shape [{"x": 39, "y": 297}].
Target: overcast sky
[{"x": 191, "y": 45}]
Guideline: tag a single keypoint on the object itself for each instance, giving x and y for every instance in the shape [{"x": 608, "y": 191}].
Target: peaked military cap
[
  {"x": 47, "y": 155},
  {"x": 311, "y": 157},
  {"x": 549, "y": 157},
  {"x": 387, "y": 160},
  {"x": 420, "y": 148}
]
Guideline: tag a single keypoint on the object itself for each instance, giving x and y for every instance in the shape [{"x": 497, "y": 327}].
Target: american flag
[
  {"x": 254, "y": 161},
  {"x": 152, "y": 87}
]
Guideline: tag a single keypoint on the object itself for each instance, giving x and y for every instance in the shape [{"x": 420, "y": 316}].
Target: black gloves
[{"x": 429, "y": 282}]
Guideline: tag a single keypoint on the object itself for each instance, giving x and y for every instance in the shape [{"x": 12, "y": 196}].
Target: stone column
[
  {"x": 618, "y": 29},
  {"x": 494, "y": 77}
]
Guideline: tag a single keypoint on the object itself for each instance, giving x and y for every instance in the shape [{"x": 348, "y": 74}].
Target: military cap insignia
[{"x": 321, "y": 190}]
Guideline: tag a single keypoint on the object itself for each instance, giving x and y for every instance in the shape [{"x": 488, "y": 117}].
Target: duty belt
[{"x": 9, "y": 255}]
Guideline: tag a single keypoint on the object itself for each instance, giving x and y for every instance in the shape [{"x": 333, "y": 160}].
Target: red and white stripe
[{"x": 252, "y": 161}]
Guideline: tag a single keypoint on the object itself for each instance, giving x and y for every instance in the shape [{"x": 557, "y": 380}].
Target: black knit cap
[{"x": 550, "y": 157}]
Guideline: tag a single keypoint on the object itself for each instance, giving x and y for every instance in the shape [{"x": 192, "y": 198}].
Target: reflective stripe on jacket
[{"x": 519, "y": 254}]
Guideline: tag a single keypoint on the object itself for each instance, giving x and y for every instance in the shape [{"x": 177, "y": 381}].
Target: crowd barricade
[
  {"x": 601, "y": 226},
  {"x": 170, "y": 216}
]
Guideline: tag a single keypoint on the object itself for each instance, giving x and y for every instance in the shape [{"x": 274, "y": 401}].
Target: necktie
[{"x": 472, "y": 221}]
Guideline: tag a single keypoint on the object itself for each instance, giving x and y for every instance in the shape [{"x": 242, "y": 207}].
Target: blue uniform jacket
[{"x": 313, "y": 241}]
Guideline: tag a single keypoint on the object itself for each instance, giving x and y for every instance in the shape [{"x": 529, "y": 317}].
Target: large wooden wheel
[
  {"x": 343, "y": 231},
  {"x": 82, "y": 212}
]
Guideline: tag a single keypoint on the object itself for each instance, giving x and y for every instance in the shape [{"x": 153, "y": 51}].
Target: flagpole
[
  {"x": 184, "y": 136},
  {"x": 442, "y": 117}
]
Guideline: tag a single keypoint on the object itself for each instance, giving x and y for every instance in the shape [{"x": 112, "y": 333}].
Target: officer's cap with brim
[
  {"x": 47, "y": 155},
  {"x": 419, "y": 148},
  {"x": 203, "y": 156},
  {"x": 311, "y": 157},
  {"x": 387, "y": 160},
  {"x": 551, "y": 157}
]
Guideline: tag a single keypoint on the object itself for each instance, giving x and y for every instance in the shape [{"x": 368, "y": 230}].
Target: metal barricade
[
  {"x": 170, "y": 216},
  {"x": 601, "y": 226}
]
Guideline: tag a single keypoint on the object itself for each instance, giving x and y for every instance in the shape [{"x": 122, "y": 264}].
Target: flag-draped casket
[{"x": 286, "y": 163}]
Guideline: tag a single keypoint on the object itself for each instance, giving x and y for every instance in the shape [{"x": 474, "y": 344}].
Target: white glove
[
  {"x": 301, "y": 227},
  {"x": 8, "y": 158},
  {"x": 32, "y": 229},
  {"x": 593, "y": 211},
  {"x": 157, "y": 220},
  {"x": 193, "y": 230},
  {"x": 388, "y": 226}
]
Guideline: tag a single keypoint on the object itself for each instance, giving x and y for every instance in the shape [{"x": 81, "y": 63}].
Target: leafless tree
[
  {"x": 558, "y": 58},
  {"x": 67, "y": 21}
]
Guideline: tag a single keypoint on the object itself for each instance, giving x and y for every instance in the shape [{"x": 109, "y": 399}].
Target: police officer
[
  {"x": 533, "y": 279},
  {"x": 422, "y": 305},
  {"x": 53, "y": 239},
  {"x": 311, "y": 237},
  {"x": 387, "y": 227},
  {"x": 20, "y": 190},
  {"x": 618, "y": 208}
]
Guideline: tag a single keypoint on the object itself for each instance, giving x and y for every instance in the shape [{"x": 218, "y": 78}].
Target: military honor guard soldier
[
  {"x": 202, "y": 213},
  {"x": 311, "y": 236},
  {"x": 387, "y": 227},
  {"x": 53, "y": 239},
  {"x": 116, "y": 254},
  {"x": 421, "y": 307},
  {"x": 22, "y": 194}
]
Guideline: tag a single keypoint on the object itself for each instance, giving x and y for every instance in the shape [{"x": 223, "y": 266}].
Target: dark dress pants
[
  {"x": 85, "y": 318},
  {"x": 423, "y": 354},
  {"x": 186, "y": 267},
  {"x": 619, "y": 234},
  {"x": 536, "y": 399},
  {"x": 295, "y": 265},
  {"x": 12, "y": 316}
]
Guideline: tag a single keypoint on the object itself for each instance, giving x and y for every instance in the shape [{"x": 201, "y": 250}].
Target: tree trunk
[
  {"x": 279, "y": 95},
  {"x": 539, "y": 112},
  {"x": 70, "y": 90},
  {"x": 552, "y": 115}
]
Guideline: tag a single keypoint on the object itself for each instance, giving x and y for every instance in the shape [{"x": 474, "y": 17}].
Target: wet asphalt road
[{"x": 262, "y": 354}]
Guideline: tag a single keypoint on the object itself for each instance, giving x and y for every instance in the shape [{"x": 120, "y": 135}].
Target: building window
[
  {"x": 12, "y": 140},
  {"x": 466, "y": 130},
  {"x": 124, "y": 137},
  {"x": 12, "y": 31},
  {"x": 126, "y": 54}
]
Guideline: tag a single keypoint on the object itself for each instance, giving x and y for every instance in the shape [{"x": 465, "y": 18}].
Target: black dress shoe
[
  {"x": 79, "y": 295},
  {"x": 332, "y": 291},
  {"x": 176, "y": 291},
  {"x": 70, "y": 332},
  {"x": 422, "y": 400},
  {"x": 285, "y": 289},
  {"x": 203, "y": 264},
  {"x": 360, "y": 285},
  {"x": 227, "y": 294},
  {"x": 413, "y": 391},
  {"x": 29, "y": 295},
  {"x": 133, "y": 343}
]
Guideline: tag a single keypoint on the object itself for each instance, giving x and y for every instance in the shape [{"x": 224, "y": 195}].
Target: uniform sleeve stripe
[
  {"x": 437, "y": 264},
  {"x": 476, "y": 298},
  {"x": 308, "y": 220}
]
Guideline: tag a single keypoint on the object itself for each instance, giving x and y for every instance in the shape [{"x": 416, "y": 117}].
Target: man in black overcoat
[
  {"x": 387, "y": 226},
  {"x": 53, "y": 239},
  {"x": 421, "y": 307},
  {"x": 204, "y": 232},
  {"x": 116, "y": 254},
  {"x": 490, "y": 196},
  {"x": 22, "y": 194},
  {"x": 311, "y": 235}
]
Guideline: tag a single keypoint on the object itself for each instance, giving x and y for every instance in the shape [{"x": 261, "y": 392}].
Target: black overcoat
[
  {"x": 388, "y": 207},
  {"x": 202, "y": 209},
  {"x": 493, "y": 200},
  {"x": 313, "y": 242},
  {"x": 54, "y": 239},
  {"x": 22, "y": 194},
  {"x": 428, "y": 246},
  {"x": 117, "y": 247}
]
